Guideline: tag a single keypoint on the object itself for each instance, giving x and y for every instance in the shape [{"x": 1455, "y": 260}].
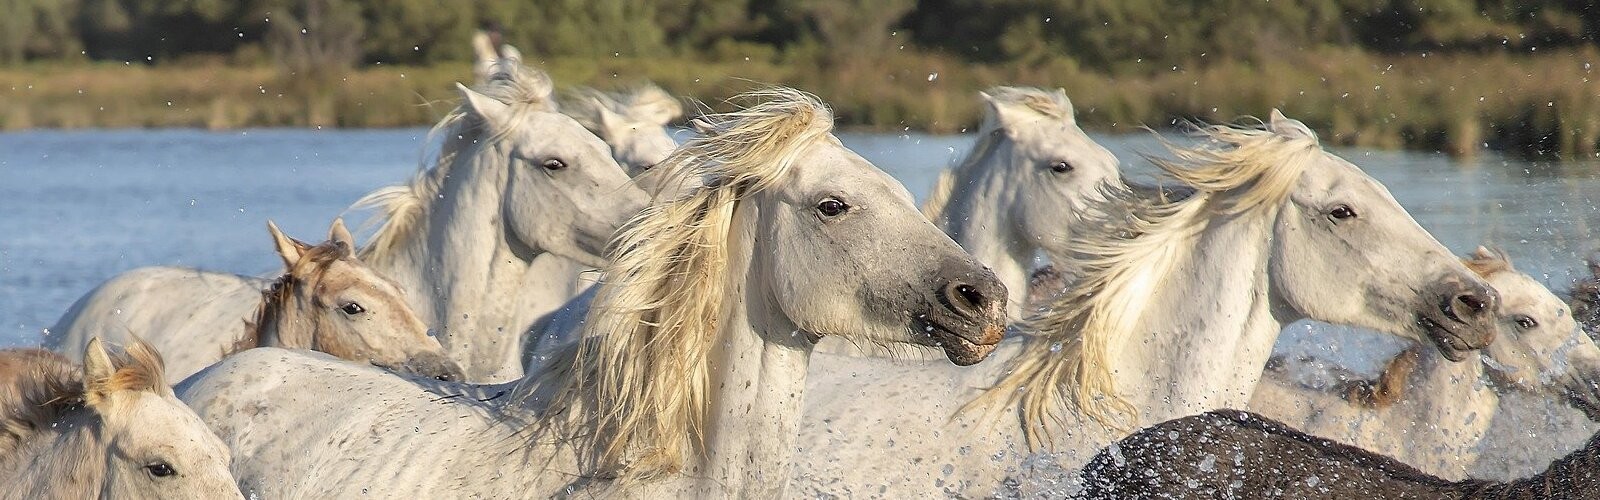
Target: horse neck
[
  {"x": 1209, "y": 326},
  {"x": 977, "y": 219},
  {"x": 67, "y": 461},
  {"x": 758, "y": 378},
  {"x": 1444, "y": 392},
  {"x": 461, "y": 272}
]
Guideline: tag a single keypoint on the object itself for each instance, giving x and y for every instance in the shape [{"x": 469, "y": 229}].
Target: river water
[{"x": 78, "y": 207}]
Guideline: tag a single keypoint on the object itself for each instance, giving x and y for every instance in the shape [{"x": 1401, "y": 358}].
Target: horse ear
[
  {"x": 289, "y": 249},
  {"x": 340, "y": 234},
  {"x": 703, "y": 127},
  {"x": 509, "y": 53},
  {"x": 1289, "y": 127},
  {"x": 1483, "y": 253},
  {"x": 493, "y": 112},
  {"x": 97, "y": 371},
  {"x": 610, "y": 121},
  {"x": 1072, "y": 113}
]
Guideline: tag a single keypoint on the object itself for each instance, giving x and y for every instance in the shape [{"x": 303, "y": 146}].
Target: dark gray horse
[{"x": 1238, "y": 454}]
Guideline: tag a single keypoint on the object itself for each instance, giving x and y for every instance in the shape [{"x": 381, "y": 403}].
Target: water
[{"x": 79, "y": 207}]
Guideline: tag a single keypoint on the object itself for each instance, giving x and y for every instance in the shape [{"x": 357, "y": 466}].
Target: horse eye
[
  {"x": 352, "y": 308},
  {"x": 1061, "y": 167},
  {"x": 1526, "y": 323},
  {"x": 830, "y": 207},
  {"x": 554, "y": 164},
  {"x": 160, "y": 469},
  {"x": 1342, "y": 212}
]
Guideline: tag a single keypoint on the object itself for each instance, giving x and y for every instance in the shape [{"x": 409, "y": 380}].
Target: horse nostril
[
  {"x": 965, "y": 299},
  {"x": 1473, "y": 303}
]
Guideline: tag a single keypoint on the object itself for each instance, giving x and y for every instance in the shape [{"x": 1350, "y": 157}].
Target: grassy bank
[{"x": 1541, "y": 105}]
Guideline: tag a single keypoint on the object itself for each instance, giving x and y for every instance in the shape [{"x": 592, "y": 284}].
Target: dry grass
[{"x": 1544, "y": 104}]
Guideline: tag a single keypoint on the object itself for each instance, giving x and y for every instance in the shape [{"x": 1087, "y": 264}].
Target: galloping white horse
[
  {"x": 1176, "y": 313},
  {"x": 1437, "y": 413},
  {"x": 112, "y": 429},
  {"x": 516, "y": 189},
  {"x": 1020, "y": 188},
  {"x": 689, "y": 377}
]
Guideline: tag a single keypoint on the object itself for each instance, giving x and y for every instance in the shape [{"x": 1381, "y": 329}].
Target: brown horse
[
  {"x": 1238, "y": 454},
  {"x": 112, "y": 429},
  {"x": 328, "y": 300}
]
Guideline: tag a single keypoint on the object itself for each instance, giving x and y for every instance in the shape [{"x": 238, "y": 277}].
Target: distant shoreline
[{"x": 1545, "y": 106}]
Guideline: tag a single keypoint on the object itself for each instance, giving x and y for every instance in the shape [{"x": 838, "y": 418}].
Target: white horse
[
  {"x": 1433, "y": 414},
  {"x": 326, "y": 299},
  {"x": 517, "y": 189},
  {"x": 112, "y": 429},
  {"x": 633, "y": 122},
  {"x": 689, "y": 378},
  {"x": 1177, "y": 311},
  {"x": 1019, "y": 189}
]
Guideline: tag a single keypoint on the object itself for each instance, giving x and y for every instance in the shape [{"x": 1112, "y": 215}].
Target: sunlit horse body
[
  {"x": 1177, "y": 311},
  {"x": 111, "y": 429},
  {"x": 690, "y": 373},
  {"x": 516, "y": 189},
  {"x": 1434, "y": 414},
  {"x": 1020, "y": 188},
  {"x": 326, "y": 300}
]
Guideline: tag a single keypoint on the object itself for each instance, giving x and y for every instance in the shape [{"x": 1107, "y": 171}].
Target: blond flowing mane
[
  {"x": 313, "y": 263},
  {"x": 643, "y": 103},
  {"x": 1128, "y": 255},
  {"x": 401, "y": 208},
  {"x": 641, "y": 367},
  {"x": 1047, "y": 105}
]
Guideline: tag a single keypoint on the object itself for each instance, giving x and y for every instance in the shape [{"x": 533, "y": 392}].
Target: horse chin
[
  {"x": 960, "y": 349},
  {"x": 1449, "y": 343}
]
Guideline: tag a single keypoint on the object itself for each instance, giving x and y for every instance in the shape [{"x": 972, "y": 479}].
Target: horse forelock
[
  {"x": 650, "y": 330},
  {"x": 1046, "y": 104},
  {"x": 312, "y": 266},
  {"x": 1125, "y": 256},
  {"x": 1495, "y": 261},
  {"x": 400, "y": 209}
]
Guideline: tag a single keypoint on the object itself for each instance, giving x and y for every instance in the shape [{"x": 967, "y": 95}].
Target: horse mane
[
  {"x": 37, "y": 387},
  {"x": 1048, "y": 105},
  {"x": 644, "y": 103},
  {"x": 401, "y": 208},
  {"x": 313, "y": 263},
  {"x": 1390, "y": 386},
  {"x": 1124, "y": 256},
  {"x": 641, "y": 367}
]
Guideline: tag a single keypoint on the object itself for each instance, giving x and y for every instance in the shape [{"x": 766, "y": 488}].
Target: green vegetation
[{"x": 1451, "y": 75}]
